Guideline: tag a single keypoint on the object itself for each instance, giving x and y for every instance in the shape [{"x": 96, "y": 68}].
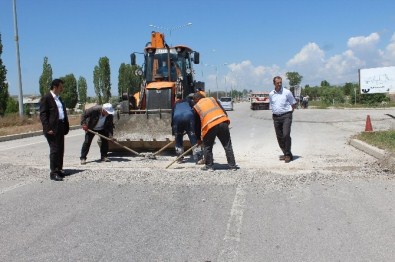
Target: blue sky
[{"x": 242, "y": 43}]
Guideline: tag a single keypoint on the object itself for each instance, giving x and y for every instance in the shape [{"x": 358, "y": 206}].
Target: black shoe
[
  {"x": 105, "y": 159},
  {"x": 233, "y": 168},
  {"x": 207, "y": 168},
  {"x": 55, "y": 177},
  {"x": 62, "y": 173},
  {"x": 288, "y": 158}
]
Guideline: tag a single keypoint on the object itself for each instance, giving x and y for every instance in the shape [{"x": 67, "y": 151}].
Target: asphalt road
[{"x": 332, "y": 203}]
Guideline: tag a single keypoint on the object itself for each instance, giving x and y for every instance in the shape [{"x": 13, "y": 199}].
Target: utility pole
[{"x": 20, "y": 97}]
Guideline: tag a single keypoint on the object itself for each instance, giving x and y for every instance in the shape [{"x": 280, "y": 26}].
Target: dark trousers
[
  {"x": 56, "y": 149},
  {"x": 184, "y": 123},
  {"x": 222, "y": 132},
  {"x": 180, "y": 138},
  {"x": 88, "y": 141},
  {"x": 282, "y": 126}
]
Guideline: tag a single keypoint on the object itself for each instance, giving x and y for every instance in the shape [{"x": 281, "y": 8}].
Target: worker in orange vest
[{"x": 214, "y": 122}]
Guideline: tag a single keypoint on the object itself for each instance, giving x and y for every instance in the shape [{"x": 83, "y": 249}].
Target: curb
[
  {"x": 368, "y": 149},
  {"x": 386, "y": 158},
  {"x": 30, "y": 134}
]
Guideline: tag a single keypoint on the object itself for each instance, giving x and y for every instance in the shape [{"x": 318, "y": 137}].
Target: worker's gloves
[{"x": 85, "y": 127}]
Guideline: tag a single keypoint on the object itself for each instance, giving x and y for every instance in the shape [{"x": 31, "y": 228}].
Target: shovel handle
[
  {"x": 114, "y": 141},
  {"x": 163, "y": 148},
  {"x": 183, "y": 154}
]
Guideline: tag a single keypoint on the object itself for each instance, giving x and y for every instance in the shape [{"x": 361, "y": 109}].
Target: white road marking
[
  {"x": 233, "y": 228},
  {"x": 252, "y": 132},
  {"x": 24, "y": 145},
  {"x": 4, "y": 190}
]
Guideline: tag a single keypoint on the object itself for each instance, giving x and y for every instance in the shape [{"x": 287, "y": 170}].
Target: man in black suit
[{"x": 55, "y": 123}]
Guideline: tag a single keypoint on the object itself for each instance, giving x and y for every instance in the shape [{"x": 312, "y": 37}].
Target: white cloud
[
  {"x": 389, "y": 53},
  {"x": 362, "y": 42},
  {"x": 341, "y": 68},
  {"x": 243, "y": 75},
  {"x": 310, "y": 54},
  {"x": 313, "y": 64},
  {"x": 365, "y": 48}
]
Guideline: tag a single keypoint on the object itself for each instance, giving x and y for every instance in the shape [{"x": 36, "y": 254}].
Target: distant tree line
[{"x": 329, "y": 94}]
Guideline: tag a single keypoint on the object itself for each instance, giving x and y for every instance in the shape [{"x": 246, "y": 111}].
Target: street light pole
[
  {"x": 20, "y": 97},
  {"x": 216, "y": 79},
  {"x": 170, "y": 29}
]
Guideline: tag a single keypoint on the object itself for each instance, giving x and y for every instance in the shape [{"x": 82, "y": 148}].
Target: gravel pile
[{"x": 139, "y": 170}]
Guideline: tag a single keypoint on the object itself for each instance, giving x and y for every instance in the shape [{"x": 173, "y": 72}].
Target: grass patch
[
  {"x": 382, "y": 139},
  {"x": 321, "y": 105}
]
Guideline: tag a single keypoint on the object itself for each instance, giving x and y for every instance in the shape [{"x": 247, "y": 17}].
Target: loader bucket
[{"x": 143, "y": 132}]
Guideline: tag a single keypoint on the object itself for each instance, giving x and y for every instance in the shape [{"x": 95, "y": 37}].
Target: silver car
[{"x": 226, "y": 103}]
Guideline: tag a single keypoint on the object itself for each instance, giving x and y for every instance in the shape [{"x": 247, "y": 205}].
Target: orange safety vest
[{"x": 210, "y": 113}]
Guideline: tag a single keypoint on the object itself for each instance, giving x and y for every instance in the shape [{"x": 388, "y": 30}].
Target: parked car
[{"x": 226, "y": 103}]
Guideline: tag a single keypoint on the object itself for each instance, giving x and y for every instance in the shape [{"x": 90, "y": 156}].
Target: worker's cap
[{"x": 109, "y": 109}]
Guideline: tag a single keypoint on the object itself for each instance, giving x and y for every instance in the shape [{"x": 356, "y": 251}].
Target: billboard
[{"x": 377, "y": 80}]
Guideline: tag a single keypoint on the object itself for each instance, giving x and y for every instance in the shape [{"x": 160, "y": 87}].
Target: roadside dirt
[{"x": 31, "y": 125}]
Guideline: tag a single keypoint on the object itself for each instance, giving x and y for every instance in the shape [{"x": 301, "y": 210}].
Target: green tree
[
  {"x": 128, "y": 81},
  {"x": 102, "y": 80},
  {"x": 4, "y": 95},
  {"x": 46, "y": 77},
  {"x": 70, "y": 94},
  {"x": 97, "y": 84},
  {"x": 332, "y": 95},
  {"x": 82, "y": 90},
  {"x": 12, "y": 106},
  {"x": 325, "y": 83},
  {"x": 312, "y": 92},
  {"x": 294, "y": 79},
  {"x": 372, "y": 99},
  {"x": 124, "y": 78},
  {"x": 349, "y": 88}
]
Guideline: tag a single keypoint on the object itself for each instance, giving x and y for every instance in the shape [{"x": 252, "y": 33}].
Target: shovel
[
  {"x": 115, "y": 142},
  {"x": 183, "y": 154},
  {"x": 152, "y": 156}
]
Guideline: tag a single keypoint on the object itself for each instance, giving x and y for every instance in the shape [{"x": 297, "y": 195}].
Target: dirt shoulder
[{"x": 14, "y": 125}]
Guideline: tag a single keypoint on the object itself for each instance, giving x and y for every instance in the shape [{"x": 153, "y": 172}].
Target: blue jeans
[{"x": 184, "y": 124}]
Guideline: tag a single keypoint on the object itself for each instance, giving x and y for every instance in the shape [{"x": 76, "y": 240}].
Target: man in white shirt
[{"x": 282, "y": 103}]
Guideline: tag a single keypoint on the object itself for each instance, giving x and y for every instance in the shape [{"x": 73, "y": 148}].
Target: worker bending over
[
  {"x": 183, "y": 121},
  {"x": 99, "y": 119},
  {"x": 214, "y": 123}
]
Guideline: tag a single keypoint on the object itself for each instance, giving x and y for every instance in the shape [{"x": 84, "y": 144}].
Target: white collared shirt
[
  {"x": 59, "y": 105},
  {"x": 281, "y": 102},
  {"x": 100, "y": 123}
]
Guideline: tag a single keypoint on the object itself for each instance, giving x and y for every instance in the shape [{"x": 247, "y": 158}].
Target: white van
[{"x": 226, "y": 103}]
